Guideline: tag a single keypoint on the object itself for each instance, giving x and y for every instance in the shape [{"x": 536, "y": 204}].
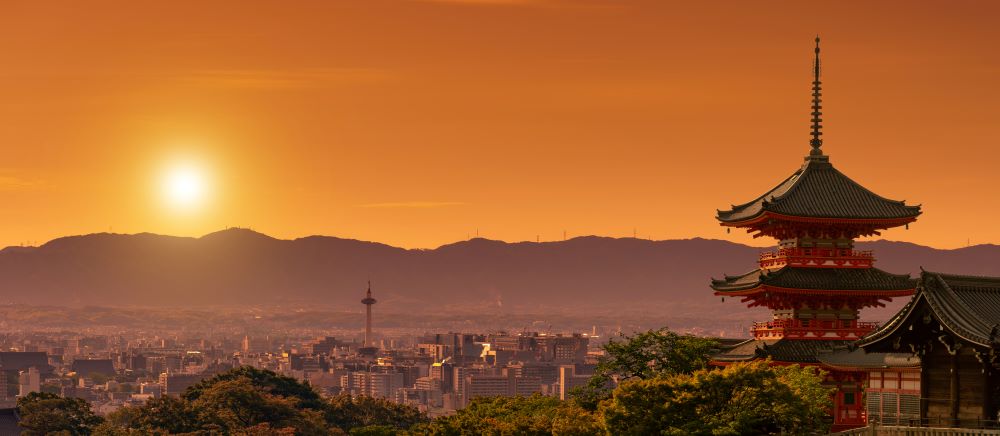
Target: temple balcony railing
[
  {"x": 796, "y": 329},
  {"x": 817, "y": 257}
]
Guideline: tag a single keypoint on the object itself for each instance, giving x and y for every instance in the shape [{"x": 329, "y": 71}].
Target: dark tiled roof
[
  {"x": 781, "y": 350},
  {"x": 842, "y": 279},
  {"x": 818, "y": 190},
  {"x": 20, "y": 361},
  {"x": 858, "y": 358},
  {"x": 86, "y": 367},
  {"x": 8, "y": 423},
  {"x": 968, "y": 306}
]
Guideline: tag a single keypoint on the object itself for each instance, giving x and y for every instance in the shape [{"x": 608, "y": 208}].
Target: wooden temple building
[
  {"x": 816, "y": 282},
  {"x": 953, "y": 325}
]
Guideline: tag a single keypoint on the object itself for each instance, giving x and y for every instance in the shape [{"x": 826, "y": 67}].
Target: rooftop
[
  {"x": 818, "y": 279},
  {"x": 967, "y": 306},
  {"x": 816, "y": 191}
]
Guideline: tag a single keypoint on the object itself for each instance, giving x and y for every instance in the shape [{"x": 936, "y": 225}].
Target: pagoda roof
[
  {"x": 818, "y": 279},
  {"x": 779, "y": 350},
  {"x": 817, "y": 191},
  {"x": 858, "y": 359},
  {"x": 967, "y": 306}
]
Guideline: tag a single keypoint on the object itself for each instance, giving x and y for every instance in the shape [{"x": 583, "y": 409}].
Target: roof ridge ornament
[{"x": 817, "y": 107}]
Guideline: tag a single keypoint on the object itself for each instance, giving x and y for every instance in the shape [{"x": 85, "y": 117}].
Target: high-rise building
[
  {"x": 484, "y": 385},
  {"x": 252, "y": 345},
  {"x": 30, "y": 381},
  {"x": 376, "y": 384},
  {"x": 176, "y": 384},
  {"x": 570, "y": 379}
]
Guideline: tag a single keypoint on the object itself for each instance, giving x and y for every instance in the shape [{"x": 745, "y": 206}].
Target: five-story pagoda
[{"x": 816, "y": 282}]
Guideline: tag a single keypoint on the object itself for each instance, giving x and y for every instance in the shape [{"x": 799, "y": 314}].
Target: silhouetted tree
[
  {"x": 349, "y": 413},
  {"x": 44, "y": 413},
  {"x": 268, "y": 381}
]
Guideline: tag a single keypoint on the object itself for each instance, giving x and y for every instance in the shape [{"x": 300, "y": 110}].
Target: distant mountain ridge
[{"x": 242, "y": 267}]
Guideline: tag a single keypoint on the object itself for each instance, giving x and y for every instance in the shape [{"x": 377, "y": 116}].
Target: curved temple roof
[
  {"x": 818, "y": 190},
  {"x": 826, "y": 279},
  {"x": 968, "y": 306},
  {"x": 836, "y": 354},
  {"x": 781, "y": 350}
]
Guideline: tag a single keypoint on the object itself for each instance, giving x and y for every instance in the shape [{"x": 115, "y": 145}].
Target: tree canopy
[
  {"x": 252, "y": 401},
  {"x": 504, "y": 416},
  {"x": 654, "y": 353},
  {"x": 753, "y": 398},
  {"x": 44, "y": 413}
]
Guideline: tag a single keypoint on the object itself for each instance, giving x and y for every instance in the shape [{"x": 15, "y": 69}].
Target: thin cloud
[
  {"x": 13, "y": 183},
  {"x": 412, "y": 204}
]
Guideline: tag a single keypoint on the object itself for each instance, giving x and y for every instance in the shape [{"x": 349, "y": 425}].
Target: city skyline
[{"x": 421, "y": 123}]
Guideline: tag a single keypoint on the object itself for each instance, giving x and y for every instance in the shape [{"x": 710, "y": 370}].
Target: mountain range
[{"x": 237, "y": 267}]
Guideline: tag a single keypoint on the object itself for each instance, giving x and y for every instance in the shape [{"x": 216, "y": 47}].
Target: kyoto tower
[{"x": 368, "y": 302}]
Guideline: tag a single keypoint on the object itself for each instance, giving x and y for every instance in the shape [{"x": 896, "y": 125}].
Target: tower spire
[
  {"x": 817, "y": 108},
  {"x": 368, "y": 302}
]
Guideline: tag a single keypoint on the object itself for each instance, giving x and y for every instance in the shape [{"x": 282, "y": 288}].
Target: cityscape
[{"x": 499, "y": 217}]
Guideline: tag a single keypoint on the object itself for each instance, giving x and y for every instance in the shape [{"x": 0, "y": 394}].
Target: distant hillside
[{"x": 237, "y": 267}]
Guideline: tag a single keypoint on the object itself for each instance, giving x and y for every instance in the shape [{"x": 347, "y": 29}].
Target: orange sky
[{"x": 417, "y": 122}]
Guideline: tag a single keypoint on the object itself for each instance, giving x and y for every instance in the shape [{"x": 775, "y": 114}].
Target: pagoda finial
[{"x": 817, "y": 106}]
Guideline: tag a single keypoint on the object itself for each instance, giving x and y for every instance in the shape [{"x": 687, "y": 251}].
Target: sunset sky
[{"x": 415, "y": 123}]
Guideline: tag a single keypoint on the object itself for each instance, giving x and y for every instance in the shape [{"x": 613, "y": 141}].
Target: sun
[{"x": 184, "y": 187}]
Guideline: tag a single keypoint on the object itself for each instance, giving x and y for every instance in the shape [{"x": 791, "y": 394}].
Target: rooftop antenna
[{"x": 817, "y": 113}]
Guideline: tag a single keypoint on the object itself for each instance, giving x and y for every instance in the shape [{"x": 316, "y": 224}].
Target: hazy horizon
[{"x": 751, "y": 243}]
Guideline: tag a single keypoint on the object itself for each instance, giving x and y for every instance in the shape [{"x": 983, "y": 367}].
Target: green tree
[
  {"x": 374, "y": 430},
  {"x": 239, "y": 404},
  {"x": 242, "y": 401},
  {"x": 43, "y": 413},
  {"x": 348, "y": 413},
  {"x": 653, "y": 353},
  {"x": 268, "y": 381},
  {"x": 534, "y": 415},
  {"x": 166, "y": 414},
  {"x": 753, "y": 398}
]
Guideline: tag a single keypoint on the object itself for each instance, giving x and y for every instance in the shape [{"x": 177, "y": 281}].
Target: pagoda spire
[{"x": 817, "y": 114}]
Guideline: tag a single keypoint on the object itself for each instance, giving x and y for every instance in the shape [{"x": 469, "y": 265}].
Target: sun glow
[{"x": 184, "y": 187}]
